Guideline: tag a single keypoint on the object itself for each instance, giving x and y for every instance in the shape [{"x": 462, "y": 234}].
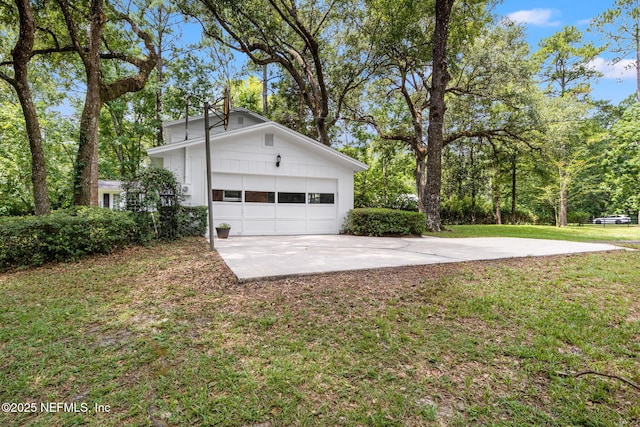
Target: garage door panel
[
  {"x": 259, "y": 226},
  {"x": 227, "y": 181},
  {"x": 227, "y": 210},
  {"x": 321, "y": 226},
  {"x": 321, "y": 185},
  {"x": 288, "y": 184},
  {"x": 260, "y": 183},
  {"x": 256, "y": 211},
  {"x": 321, "y": 212},
  {"x": 291, "y": 212}
]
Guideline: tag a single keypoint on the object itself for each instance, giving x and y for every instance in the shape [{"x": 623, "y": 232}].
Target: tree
[
  {"x": 98, "y": 90},
  {"x": 621, "y": 25},
  {"x": 623, "y": 160},
  {"x": 567, "y": 148},
  {"x": 566, "y": 63},
  {"x": 247, "y": 93},
  {"x": 22, "y": 53},
  {"x": 398, "y": 99},
  {"x": 439, "y": 81},
  {"x": 297, "y": 36}
]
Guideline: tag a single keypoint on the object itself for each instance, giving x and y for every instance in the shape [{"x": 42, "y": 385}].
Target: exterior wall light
[{"x": 278, "y": 159}]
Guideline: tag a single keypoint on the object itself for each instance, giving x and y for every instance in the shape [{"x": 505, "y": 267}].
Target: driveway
[{"x": 254, "y": 257}]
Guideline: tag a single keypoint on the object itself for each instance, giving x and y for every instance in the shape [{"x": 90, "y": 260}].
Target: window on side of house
[
  {"x": 321, "y": 198},
  {"x": 291, "y": 198}
]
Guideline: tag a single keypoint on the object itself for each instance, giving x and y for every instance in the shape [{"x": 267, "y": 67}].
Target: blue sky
[{"x": 543, "y": 18}]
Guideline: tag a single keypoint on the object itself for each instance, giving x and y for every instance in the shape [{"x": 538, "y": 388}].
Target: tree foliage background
[{"x": 523, "y": 141}]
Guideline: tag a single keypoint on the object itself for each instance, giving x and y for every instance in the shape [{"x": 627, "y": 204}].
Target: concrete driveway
[{"x": 275, "y": 256}]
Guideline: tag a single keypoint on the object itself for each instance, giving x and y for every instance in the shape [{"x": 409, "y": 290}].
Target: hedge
[
  {"x": 63, "y": 236},
  {"x": 192, "y": 221},
  {"x": 384, "y": 222}
]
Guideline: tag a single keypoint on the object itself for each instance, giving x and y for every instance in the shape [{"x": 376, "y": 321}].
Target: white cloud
[
  {"x": 622, "y": 70},
  {"x": 539, "y": 17}
]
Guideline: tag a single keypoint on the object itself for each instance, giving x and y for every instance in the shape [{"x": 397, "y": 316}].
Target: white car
[{"x": 613, "y": 219}]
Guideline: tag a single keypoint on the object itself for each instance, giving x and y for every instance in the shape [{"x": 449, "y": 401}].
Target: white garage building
[{"x": 267, "y": 179}]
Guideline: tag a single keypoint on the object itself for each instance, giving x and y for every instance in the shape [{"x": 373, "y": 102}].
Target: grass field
[
  {"x": 583, "y": 233},
  {"x": 164, "y": 336}
]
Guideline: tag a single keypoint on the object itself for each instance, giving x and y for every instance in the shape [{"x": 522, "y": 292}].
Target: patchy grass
[
  {"x": 166, "y": 337},
  {"x": 584, "y": 233}
]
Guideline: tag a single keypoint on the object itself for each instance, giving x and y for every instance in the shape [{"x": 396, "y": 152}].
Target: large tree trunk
[
  {"x": 421, "y": 180},
  {"x": 562, "y": 208},
  {"x": 474, "y": 191},
  {"x": 497, "y": 198},
  {"x": 323, "y": 132},
  {"x": 99, "y": 92},
  {"x": 21, "y": 57},
  {"x": 514, "y": 176},
  {"x": 440, "y": 79},
  {"x": 159, "y": 105},
  {"x": 86, "y": 167},
  {"x": 85, "y": 185},
  {"x": 160, "y": 77}
]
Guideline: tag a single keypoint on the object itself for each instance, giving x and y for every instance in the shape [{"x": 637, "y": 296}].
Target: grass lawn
[
  {"x": 583, "y": 233},
  {"x": 165, "y": 336}
]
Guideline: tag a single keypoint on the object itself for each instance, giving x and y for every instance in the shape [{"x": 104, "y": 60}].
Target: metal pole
[{"x": 207, "y": 143}]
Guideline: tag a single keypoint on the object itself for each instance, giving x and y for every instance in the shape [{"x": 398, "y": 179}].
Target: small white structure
[
  {"x": 109, "y": 193},
  {"x": 267, "y": 179}
]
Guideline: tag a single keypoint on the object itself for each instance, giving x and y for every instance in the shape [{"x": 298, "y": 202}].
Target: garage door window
[
  {"x": 259, "y": 197},
  {"x": 321, "y": 199},
  {"x": 227, "y": 195},
  {"x": 291, "y": 198}
]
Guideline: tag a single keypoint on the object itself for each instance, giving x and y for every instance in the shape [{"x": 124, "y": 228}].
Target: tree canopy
[{"x": 448, "y": 104}]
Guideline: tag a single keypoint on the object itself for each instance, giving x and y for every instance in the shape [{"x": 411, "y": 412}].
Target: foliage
[
  {"x": 16, "y": 190},
  {"x": 621, "y": 25},
  {"x": 384, "y": 222},
  {"x": 305, "y": 38},
  {"x": 566, "y": 63},
  {"x": 388, "y": 182},
  {"x": 247, "y": 94},
  {"x": 127, "y": 128},
  {"x": 192, "y": 221},
  {"x": 623, "y": 162},
  {"x": 508, "y": 147},
  {"x": 456, "y": 210},
  {"x": 64, "y": 235},
  {"x": 154, "y": 198}
]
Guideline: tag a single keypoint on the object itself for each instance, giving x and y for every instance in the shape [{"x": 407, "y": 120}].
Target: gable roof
[{"x": 267, "y": 126}]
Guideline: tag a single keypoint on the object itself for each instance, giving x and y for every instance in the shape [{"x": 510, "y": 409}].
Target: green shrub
[
  {"x": 63, "y": 236},
  {"x": 578, "y": 217},
  {"x": 154, "y": 197},
  {"x": 384, "y": 222},
  {"x": 192, "y": 221}
]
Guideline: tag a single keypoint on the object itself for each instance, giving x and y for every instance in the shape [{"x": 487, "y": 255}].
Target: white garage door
[{"x": 263, "y": 205}]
